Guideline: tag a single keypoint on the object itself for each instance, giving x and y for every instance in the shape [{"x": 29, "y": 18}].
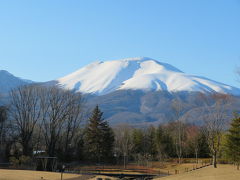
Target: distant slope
[
  {"x": 144, "y": 74},
  {"x": 9, "y": 81},
  {"x": 140, "y": 108}
]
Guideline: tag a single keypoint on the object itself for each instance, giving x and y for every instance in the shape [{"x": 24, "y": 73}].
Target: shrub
[{"x": 21, "y": 161}]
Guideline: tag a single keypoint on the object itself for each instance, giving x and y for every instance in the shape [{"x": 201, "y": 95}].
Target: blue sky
[{"x": 47, "y": 39}]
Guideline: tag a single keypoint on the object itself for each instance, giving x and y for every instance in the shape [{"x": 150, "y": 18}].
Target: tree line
[{"x": 50, "y": 121}]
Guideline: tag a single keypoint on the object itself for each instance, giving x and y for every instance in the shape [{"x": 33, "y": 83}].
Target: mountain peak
[
  {"x": 141, "y": 60},
  {"x": 135, "y": 59},
  {"x": 138, "y": 73},
  {"x": 4, "y": 72},
  {"x": 8, "y": 81}
]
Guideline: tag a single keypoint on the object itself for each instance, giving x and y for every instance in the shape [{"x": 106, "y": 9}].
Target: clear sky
[{"x": 47, "y": 39}]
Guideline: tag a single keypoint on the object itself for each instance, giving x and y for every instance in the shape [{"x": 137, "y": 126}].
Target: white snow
[{"x": 138, "y": 74}]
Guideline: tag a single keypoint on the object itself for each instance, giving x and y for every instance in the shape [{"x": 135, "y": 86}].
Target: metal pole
[
  {"x": 62, "y": 175},
  {"x": 62, "y": 170}
]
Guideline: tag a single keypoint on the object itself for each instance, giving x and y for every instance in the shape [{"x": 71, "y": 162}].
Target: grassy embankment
[{"x": 223, "y": 172}]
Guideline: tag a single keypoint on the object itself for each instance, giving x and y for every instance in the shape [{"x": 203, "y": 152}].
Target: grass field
[
  {"x": 32, "y": 175},
  {"x": 40, "y": 175},
  {"x": 171, "y": 168},
  {"x": 153, "y": 168},
  {"x": 223, "y": 172}
]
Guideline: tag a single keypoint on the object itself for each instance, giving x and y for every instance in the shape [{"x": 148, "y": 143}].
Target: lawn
[
  {"x": 32, "y": 175},
  {"x": 223, "y": 172}
]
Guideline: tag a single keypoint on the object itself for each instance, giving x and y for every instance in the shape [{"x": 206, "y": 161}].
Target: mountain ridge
[
  {"x": 135, "y": 106},
  {"x": 8, "y": 81},
  {"x": 139, "y": 73}
]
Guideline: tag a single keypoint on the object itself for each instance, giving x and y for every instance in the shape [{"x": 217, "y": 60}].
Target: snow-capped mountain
[
  {"x": 143, "y": 73},
  {"x": 9, "y": 81}
]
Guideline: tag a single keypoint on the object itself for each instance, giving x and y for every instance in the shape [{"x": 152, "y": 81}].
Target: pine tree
[
  {"x": 99, "y": 138},
  {"x": 164, "y": 143},
  {"x": 150, "y": 138},
  {"x": 107, "y": 142},
  {"x": 137, "y": 136},
  {"x": 233, "y": 141}
]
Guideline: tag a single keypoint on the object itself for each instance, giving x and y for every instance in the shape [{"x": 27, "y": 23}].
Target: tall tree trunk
[
  {"x": 196, "y": 156},
  {"x": 215, "y": 159},
  {"x": 27, "y": 149},
  {"x": 124, "y": 161}
]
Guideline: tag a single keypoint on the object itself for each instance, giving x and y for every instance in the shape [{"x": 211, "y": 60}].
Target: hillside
[
  {"x": 9, "y": 81},
  {"x": 141, "y": 108}
]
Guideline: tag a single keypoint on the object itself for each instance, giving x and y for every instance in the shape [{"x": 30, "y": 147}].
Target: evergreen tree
[
  {"x": 150, "y": 141},
  {"x": 204, "y": 151},
  {"x": 99, "y": 138},
  {"x": 164, "y": 143},
  {"x": 137, "y": 141},
  {"x": 160, "y": 144},
  {"x": 233, "y": 141},
  {"x": 107, "y": 142}
]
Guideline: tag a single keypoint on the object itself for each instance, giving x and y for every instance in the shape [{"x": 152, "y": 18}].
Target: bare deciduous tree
[
  {"x": 47, "y": 112},
  {"x": 178, "y": 109},
  {"x": 72, "y": 123},
  {"x": 61, "y": 114},
  {"x": 215, "y": 118},
  {"x": 3, "y": 131},
  {"x": 193, "y": 139},
  {"x": 25, "y": 113},
  {"x": 123, "y": 141},
  {"x": 3, "y": 118},
  {"x": 54, "y": 111}
]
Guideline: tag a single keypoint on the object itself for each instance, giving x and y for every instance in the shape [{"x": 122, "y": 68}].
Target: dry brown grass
[
  {"x": 223, "y": 172},
  {"x": 116, "y": 169},
  {"x": 32, "y": 175},
  {"x": 171, "y": 168}
]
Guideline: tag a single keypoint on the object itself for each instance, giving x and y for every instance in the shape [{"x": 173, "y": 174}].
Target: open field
[
  {"x": 223, "y": 172},
  {"x": 171, "y": 168},
  {"x": 154, "y": 167},
  {"x": 32, "y": 175},
  {"x": 40, "y": 175}
]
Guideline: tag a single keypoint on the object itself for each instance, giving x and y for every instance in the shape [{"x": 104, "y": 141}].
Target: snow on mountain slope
[
  {"x": 9, "y": 81},
  {"x": 138, "y": 74}
]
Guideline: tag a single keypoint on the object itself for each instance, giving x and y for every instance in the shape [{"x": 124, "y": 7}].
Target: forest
[{"x": 50, "y": 122}]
